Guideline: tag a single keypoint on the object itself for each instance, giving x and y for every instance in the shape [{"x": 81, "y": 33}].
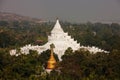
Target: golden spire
[{"x": 51, "y": 62}]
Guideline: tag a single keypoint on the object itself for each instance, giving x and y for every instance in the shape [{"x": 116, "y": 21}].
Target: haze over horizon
[{"x": 66, "y": 10}]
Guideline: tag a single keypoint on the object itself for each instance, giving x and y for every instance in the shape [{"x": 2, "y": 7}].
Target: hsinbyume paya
[{"x": 60, "y": 39}]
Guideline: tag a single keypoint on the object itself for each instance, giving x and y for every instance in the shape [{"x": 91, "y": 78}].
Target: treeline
[
  {"x": 81, "y": 65},
  {"x": 105, "y": 36},
  {"x": 78, "y": 65},
  {"x": 18, "y": 33}
]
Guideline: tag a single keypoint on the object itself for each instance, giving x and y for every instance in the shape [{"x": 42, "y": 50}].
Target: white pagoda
[{"x": 61, "y": 40}]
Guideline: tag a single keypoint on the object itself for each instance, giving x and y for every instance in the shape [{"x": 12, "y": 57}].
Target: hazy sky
[{"x": 70, "y": 10}]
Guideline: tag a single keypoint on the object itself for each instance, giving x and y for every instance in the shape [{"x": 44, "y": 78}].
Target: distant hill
[{"x": 4, "y": 16}]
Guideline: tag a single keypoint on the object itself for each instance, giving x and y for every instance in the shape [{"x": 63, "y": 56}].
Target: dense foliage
[
  {"x": 105, "y": 36},
  {"x": 15, "y": 34},
  {"x": 78, "y": 65},
  {"x": 82, "y": 65}
]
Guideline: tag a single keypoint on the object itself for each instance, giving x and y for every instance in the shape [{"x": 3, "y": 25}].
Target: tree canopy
[{"x": 75, "y": 65}]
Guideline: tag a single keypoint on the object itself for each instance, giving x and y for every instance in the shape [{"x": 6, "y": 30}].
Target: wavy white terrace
[{"x": 61, "y": 40}]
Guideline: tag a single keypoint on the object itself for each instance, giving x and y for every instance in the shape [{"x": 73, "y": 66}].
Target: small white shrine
[{"x": 61, "y": 40}]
